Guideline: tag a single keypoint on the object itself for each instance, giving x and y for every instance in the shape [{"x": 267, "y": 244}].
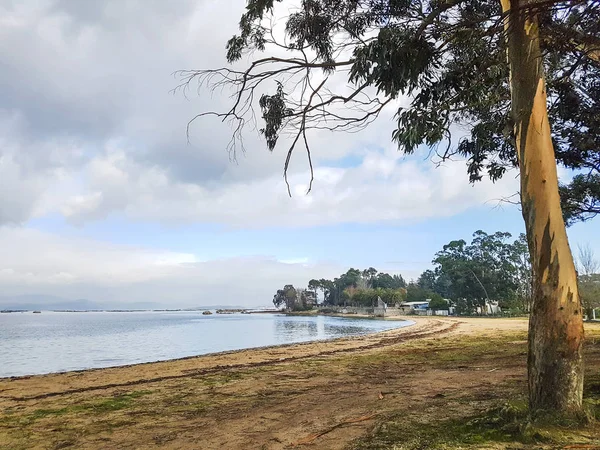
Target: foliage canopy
[{"x": 448, "y": 57}]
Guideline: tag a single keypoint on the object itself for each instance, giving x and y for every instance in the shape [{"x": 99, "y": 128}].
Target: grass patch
[
  {"x": 508, "y": 424},
  {"x": 592, "y": 385},
  {"x": 591, "y": 395},
  {"x": 115, "y": 403},
  {"x": 498, "y": 425},
  {"x": 197, "y": 409},
  {"x": 447, "y": 354},
  {"x": 220, "y": 379},
  {"x": 105, "y": 405},
  {"x": 42, "y": 413}
]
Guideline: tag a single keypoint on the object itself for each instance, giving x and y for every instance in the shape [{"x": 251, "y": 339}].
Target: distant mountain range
[
  {"x": 53, "y": 303},
  {"x": 50, "y": 302}
]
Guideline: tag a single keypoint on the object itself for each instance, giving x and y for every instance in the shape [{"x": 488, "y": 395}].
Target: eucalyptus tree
[
  {"x": 369, "y": 274},
  {"x": 504, "y": 70},
  {"x": 285, "y": 297},
  {"x": 427, "y": 280},
  {"x": 490, "y": 268},
  {"x": 581, "y": 197},
  {"x": 387, "y": 281}
]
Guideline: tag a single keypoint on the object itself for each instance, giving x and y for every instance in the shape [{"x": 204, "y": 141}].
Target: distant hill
[{"x": 50, "y": 302}]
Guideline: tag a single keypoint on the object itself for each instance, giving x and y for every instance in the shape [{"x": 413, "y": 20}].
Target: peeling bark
[{"x": 555, "y": 363}]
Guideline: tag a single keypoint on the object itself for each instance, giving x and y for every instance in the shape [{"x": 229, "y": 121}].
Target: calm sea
[{"x": 56, "y": 342}]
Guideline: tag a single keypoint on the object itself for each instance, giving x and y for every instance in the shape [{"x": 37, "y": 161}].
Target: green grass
[
  {"x": 42, "y": 413},
  {"x": 506, "y": 424},
  {"x": 221, "y": 379},
  {"x": 446, "y": 354},
  {"x": 115, "y": 403},
  {"x": 502, "y": 424},
  {"x": 591, "y": 395},
  {"x": 101, "y": 406}
]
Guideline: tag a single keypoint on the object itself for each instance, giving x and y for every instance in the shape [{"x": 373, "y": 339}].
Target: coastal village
[{"x": 491, "y": 276}]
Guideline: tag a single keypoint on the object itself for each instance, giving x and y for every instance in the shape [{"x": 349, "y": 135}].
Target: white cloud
[
  {"x": 32, "y": 262},
  {"x": 384, "y": 187},
  {"x": 17, "y": 193},
  {"x": 93, "y": 130}
]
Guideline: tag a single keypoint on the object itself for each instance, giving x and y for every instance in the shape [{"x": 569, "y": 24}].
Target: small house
[{"x": 414, "y": 307}]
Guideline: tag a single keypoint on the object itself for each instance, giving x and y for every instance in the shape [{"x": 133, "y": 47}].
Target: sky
[{"x": 102, "y": 197}]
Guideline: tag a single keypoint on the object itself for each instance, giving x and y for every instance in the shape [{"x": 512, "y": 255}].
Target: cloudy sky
[{"x": 102, "y": 197}]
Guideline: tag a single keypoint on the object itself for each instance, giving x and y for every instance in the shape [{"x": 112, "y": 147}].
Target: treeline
[
  {"x": 491, "y": 270},
  {"x": 360, "y": 288}
]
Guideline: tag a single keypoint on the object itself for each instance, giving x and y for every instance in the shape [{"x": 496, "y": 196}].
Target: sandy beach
[{"x": 328, "y": 394}]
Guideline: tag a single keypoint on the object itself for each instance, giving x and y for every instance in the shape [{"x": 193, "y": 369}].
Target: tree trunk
[{"x": 555, "y": 364}]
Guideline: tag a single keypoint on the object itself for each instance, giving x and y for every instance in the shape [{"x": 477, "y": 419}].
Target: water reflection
[
  {"x": 343, "y": 330},
  {"x": 290, "y": 330},
  {"x": 53, "y": 342}
]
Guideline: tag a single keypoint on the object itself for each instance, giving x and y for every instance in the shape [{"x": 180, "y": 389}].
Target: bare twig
[{"x": 310, "y": 439}]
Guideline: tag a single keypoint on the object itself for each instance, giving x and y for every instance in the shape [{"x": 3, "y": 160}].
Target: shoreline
[
  {"x": 416, "y": 321},
  {"x": 416, "y": 385},
  {"x": 234, "y": 351},
  {"x": 44, "y": 385}
]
